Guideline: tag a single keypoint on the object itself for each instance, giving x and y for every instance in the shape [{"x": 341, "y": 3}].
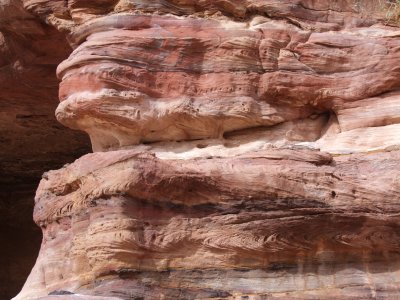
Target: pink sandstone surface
[{"x": 242, "y": 150}]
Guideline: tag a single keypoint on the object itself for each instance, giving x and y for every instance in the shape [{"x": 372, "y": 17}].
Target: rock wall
[{"x": 243, "y": 150}]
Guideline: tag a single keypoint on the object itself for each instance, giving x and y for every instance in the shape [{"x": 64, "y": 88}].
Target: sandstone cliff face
[{"x": 243, "y": 150}]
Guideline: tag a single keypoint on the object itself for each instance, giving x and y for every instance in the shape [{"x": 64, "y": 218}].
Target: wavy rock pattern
[
  {"x": 284, "y": 221},
  {"x": 155, "y": 78},
  {"x": 244, "y": 150}
]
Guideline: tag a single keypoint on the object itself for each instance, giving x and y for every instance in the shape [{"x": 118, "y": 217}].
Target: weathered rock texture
[{"x": 244, "y": 149}]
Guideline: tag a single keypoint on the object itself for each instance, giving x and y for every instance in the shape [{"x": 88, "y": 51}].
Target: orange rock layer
[{"x": 294, "y": 223}]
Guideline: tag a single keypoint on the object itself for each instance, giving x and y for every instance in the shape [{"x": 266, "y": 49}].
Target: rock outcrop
[
  {"x": 278, "y": 223},
  {"x": 243, "y": 150}
]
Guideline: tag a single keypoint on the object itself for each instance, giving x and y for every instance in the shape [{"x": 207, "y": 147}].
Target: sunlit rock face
[
  {"x": 294, "y": 223},
  {"x": 243, "y": 150},
  {"x": 146, "y": 78},
  {"x": 190, "y": 79}
]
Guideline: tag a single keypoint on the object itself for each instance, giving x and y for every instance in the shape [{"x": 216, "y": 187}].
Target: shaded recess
[{"x": 31, "y": 139}]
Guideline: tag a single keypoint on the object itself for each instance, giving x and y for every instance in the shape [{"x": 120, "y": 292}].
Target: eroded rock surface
[
  {"x": 290, "y": 222},
  {"x": 243, "y": 149}
]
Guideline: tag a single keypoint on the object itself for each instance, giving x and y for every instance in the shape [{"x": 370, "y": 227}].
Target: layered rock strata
[
  {"x": 294, "y": 223},
  {"x": 244, "y": 150}
]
